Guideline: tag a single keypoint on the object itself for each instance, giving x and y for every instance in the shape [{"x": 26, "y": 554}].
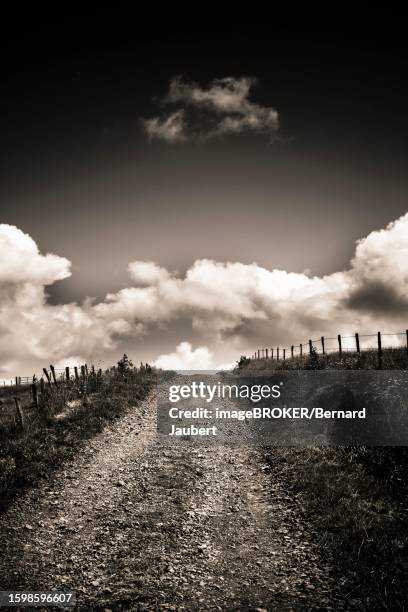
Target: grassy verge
[
  {"x": 361, "y": 527},
  {"x": 355, "y": 498},
  {"x": 392, "y": 359},
  {"x": 68, "y": 415}
]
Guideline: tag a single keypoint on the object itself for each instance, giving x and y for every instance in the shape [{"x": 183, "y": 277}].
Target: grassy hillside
[
  {"x": 356, "y": 497},
  {"x": 68, "y": 413}
]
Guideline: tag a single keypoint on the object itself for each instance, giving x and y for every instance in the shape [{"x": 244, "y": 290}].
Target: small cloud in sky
[
  {"x": 186, "y": 358},
  {"x": 170, "y": 128},
  {"x": 194, "y": 113}
]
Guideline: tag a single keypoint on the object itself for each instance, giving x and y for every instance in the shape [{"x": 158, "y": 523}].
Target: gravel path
[{"x": 133, "y": 524}]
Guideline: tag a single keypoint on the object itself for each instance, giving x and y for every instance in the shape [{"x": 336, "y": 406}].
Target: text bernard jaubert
[{"x": 253, "y": 393}]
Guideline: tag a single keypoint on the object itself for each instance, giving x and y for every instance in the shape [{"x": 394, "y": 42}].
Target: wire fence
[
  {"x": 55, "y": 374},
  {"x": 356, "y": 343},
  {"x": 59, "y": 374},
  {"x": 30, "y": 399}
]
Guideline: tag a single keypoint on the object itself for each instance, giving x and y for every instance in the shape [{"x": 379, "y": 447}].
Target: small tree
[
  {"x": 124, "y": 365},
  {"x": 243, "y": 361}
]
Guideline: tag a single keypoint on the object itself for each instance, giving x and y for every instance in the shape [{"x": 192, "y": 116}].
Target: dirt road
[{"x": 134, "y": 524}]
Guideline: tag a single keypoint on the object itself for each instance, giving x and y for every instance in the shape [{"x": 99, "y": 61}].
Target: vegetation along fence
[
  {"x": 357, "y": 343},
  {"x": 58, "y": 387}
]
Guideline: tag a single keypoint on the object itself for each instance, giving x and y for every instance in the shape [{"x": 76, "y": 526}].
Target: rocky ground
[{"x": 138, "y": 524}]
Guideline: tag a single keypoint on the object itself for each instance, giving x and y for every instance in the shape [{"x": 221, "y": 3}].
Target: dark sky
[{"x": 78, "y": 174}]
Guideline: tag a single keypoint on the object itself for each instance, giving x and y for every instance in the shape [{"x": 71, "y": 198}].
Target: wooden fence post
[
  {"x": 284, "y": 354},
  {"x": 310, "y": 346},
  {"x": 277, "y": 353},
  {"x": 357, "y": 343},
  {"x": 19, "y": 413},
  {"x": 301, "y": 349},
  {"x": 340, "y": 347},
  {"x": 34, "y": 393},
  {"x": 83, "y": 371},
  {"x": 291, "y": 351},
  {"x": 322, "y": 340},
  {"x": 47, "y": 376},
  {"x": 53, "y": 374},
  {"x": 67, "y": 374},
  {"x": 379, "y": 351},
  {"x": 266, "y": 350},
  {"x": 86, "y": 369},
  {"x": 407, "y": 341},
  {"x": 76, "y": 373}
]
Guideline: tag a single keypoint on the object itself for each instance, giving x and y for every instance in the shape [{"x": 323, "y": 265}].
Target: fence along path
[
  {"x": 57, "y": 374},
  {"x": 356, "y": 343},
  {"x": 68, "y": 382},
  {"x": 67, "y": 373}
]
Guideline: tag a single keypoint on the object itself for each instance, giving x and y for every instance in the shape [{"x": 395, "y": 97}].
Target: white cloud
[
  {"x": 32, "y": 329},
  {"x": 220, "y": 109},
  {"x": 21, "y": 261},
  {"x": 380, "y": 270},
  {"x": 186, "y": 358},
  {"x": 71, "y": 362},
  {"x": 227, "y": 95},
  {"x": 147, "y": 272},
  {"x": 170, "y": 128},
  {"x": 248, "y": 301},
  {"x": 232, "y": 307}
]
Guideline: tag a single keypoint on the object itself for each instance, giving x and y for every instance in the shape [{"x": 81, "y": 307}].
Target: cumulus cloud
[
  {"x": 21, "y": 261},
  {"x": 186, "y": 358},
  {"x": 247, "y": 303},
  {"x": 32, "y": 328},
  {"x": 380, "y": 270},
  {"x": 220, "y": 109},
  {"x": 147, "y": 272},
  {"x": 232, "y": 307}
]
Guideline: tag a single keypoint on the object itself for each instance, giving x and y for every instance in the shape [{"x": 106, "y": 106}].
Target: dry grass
[
  {"x": 360, "y": 525},
  {"x": 47, "y": 439}
]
